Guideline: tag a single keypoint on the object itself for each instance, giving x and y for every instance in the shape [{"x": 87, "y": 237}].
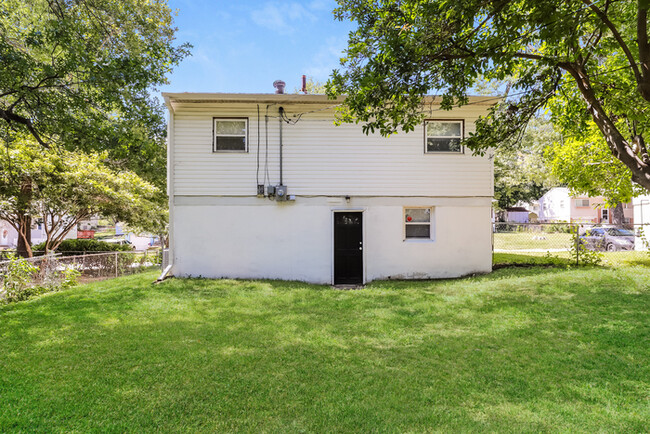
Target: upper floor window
[
  {"x": 230, "y": 135},
  {"x": 582, "y": 203},
  {"x": 443, "y": 135}
]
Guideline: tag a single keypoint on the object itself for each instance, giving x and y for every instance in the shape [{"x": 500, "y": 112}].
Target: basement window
[
  {"x": 230, "y": 135},
  {"x": 417, "y": 223},
  {"x": 443, "y": 136}
]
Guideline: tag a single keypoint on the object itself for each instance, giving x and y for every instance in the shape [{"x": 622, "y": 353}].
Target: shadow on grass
[{"x": 523, "y": 349}]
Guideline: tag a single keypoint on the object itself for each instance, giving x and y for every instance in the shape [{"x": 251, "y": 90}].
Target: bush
[
  {"x": 82, "y": 246},
  {"x": 22, "y": 279}
]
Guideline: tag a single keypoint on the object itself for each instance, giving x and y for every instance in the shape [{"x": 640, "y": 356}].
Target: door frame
[{"x": 363, "y": 240}]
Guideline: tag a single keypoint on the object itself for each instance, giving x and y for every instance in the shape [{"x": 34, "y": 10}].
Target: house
[
  {"x": 266, "y": 186},
  {"x": 557, "y": 205},
  {"x": 516, "y": 214},
  {"x": 9, "y": 235}
]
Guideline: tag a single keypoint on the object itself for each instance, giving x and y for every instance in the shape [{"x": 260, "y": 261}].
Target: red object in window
[{"x": 409, "y": 218}]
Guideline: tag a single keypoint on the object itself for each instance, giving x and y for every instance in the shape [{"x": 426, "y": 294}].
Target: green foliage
[
  {"x": 19, "y": 277},
  {"x": 80, "y": 73},
  {"x": 82, "y": 246},
  {"x": 583, "y": 255},
  {"x": 18, "y": 274},
  {"x": 585, "y": 164},
  {"x": 520, "y": 174},
  {"x": 67, "y": 187},
  {"x": 587, "y": 53}
]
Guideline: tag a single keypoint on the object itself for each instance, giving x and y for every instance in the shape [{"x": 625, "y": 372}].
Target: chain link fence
[
  {"x": 52, "y": 270},
  {"x": 569, "y": 243}
]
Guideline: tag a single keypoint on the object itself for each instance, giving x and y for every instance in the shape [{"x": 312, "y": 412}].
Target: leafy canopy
[
  {"x": 595, "y": 55},
  {"x": 520, "y": 170},
  {"x": 67, "y": 187},
  {"x": 79, "y": 73}
]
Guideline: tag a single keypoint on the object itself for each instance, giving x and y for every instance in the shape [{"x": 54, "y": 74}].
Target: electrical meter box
[{"x": 281, "y": 192}]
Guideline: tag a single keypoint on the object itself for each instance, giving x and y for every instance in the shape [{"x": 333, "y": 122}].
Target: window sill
[
  {"x": 230, "y": 152},
  {"x": 419, "y": 240}
]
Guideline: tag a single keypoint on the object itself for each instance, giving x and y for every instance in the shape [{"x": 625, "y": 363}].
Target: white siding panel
[{"x": 321, "y": 158}]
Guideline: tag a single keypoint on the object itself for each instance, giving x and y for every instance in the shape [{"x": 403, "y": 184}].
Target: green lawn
[
  {"x": 609, "y": 259},
  {"x": 531, "y": 240},
  {"x": 526, "y": 349}
]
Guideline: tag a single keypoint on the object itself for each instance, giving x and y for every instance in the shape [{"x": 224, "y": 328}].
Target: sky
[{"x": 245, "y": 45}]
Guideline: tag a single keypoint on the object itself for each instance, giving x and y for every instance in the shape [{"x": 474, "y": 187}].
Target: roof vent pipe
[{"x": 279, "y": 86}]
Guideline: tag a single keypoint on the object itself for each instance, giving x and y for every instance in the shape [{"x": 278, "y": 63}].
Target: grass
[
  {"x": 609, "y": 259},
  {"x": 531, "y": 240},
  {"x": 526, "y": 349}
]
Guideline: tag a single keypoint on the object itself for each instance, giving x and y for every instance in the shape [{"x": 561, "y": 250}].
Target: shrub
[
  {"x": 19, "y": 279},
  {"x": 81, "y": 246}
]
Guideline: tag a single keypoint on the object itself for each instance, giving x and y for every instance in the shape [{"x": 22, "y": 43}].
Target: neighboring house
[
  {"x": 516, "y": 214},
  {"x": 335, "y": 206},
  {"x": 558, "y": 206},
  {"x": 9, "y": 235}
]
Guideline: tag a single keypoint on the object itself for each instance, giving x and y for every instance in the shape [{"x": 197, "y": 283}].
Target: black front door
[{"x": 348, "y": 248}]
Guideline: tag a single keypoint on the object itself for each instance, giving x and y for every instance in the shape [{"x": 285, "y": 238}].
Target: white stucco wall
[{"x": 259, "y": 238}]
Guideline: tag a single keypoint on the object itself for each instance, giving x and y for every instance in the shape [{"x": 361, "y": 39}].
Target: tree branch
[
  {"x": 603, "y": 17},
  {"x": 9, "y": 116}
]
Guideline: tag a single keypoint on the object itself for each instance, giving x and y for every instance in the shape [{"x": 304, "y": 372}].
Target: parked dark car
[{"x": 610, "y": 239}]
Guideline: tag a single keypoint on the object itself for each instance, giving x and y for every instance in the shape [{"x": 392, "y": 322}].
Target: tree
[
  {"x": 520, "y": 172},
  {"x": 595, "y": 54},
  {"x": 79, "y": 74},
  {"x": 67, "y": 187},
  {"x": 587, "y": 167}
]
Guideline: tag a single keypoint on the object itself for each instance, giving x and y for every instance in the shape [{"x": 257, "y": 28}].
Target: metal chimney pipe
[{"x": 279, "y": 86}]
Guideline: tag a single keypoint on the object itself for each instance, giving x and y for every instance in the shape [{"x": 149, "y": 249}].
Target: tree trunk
[
  {"x": 24, "y": 246},
  {"x": 618, "y": 216}
]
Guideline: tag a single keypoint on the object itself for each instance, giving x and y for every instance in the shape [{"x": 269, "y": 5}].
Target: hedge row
[{"x": 83, "y": 246}]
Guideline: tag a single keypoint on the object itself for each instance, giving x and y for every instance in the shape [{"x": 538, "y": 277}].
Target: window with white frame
[
  {"x": 417, "y": 223},
  {"x": 230, "y": 135},
  {"x": 443, "y": 136},
  {"x": 604, "y": 213},
  {"x": 582, "y": 203}
]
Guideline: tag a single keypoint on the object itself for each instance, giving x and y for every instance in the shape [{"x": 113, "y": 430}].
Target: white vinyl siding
[{"x": 320, "y": 158}]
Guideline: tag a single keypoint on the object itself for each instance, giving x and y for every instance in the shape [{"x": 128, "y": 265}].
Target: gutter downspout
[{"x": 170, "y": 187}]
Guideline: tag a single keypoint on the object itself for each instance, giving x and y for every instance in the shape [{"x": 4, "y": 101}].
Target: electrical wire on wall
[{"x": 257, "y": 169}]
